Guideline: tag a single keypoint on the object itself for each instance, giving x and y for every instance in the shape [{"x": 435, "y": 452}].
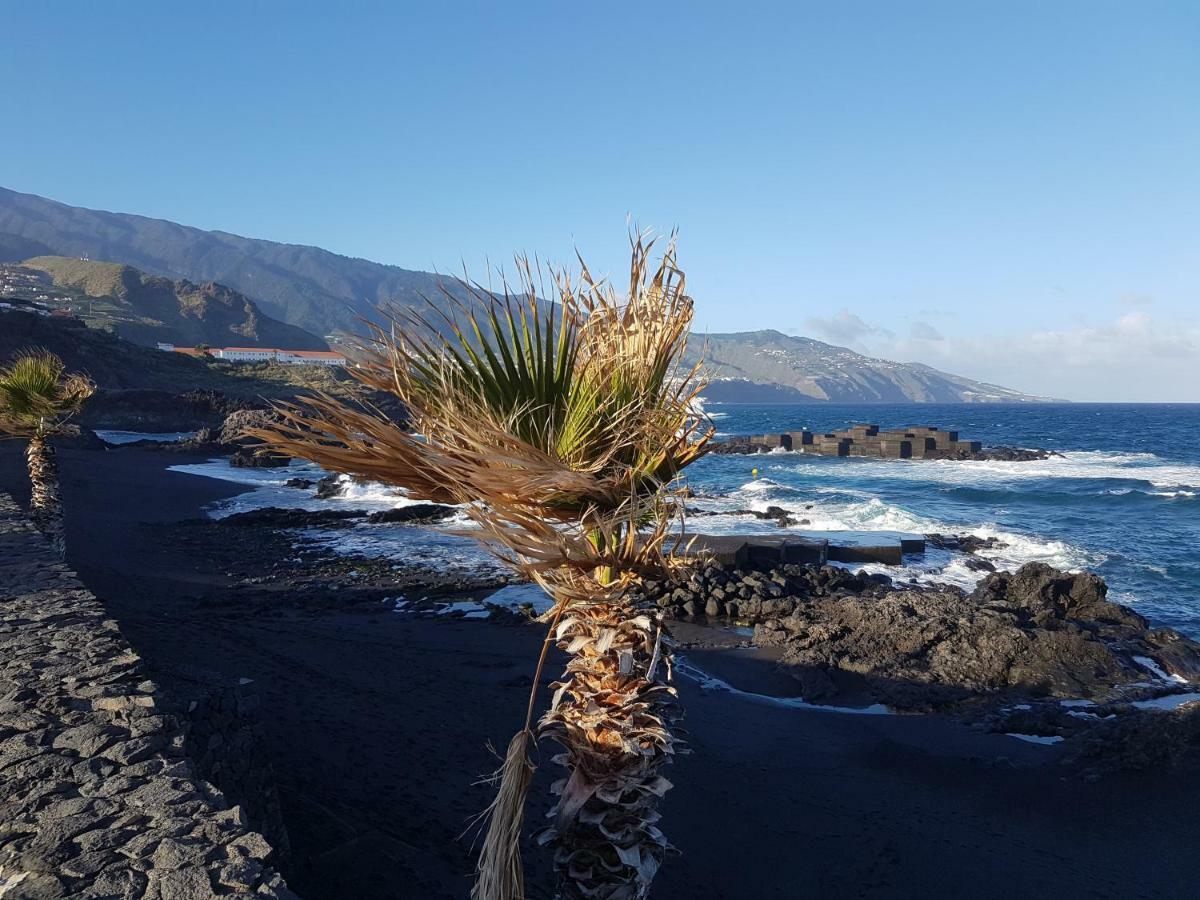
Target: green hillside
[
  {"x": 147, "y": 309},
  {"x": 117, "y": 364},
  {"x": 307, "y": 286}
]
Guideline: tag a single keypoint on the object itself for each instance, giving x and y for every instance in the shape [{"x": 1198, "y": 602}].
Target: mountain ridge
[
  {"x": 148, "y": 309},
  {"x": 771, "y": 366},
  {"x": 325, "y": 292},
  {"x": 315, "y": 289}
]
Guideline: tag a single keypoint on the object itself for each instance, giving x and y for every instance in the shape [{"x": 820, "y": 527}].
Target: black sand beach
[{"x": 378, "y": 727}]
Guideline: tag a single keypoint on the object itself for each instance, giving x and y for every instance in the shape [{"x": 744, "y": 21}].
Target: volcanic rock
[
  {"x": 234, "y": 428},
  {"x": 416, "y": 513},
  {"x": 1038, "y": 632},
  {"x": 275, "y": 517},
  {"x": 250, "y": 458}
]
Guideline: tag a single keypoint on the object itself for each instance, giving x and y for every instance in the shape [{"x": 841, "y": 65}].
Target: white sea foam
[
  {"x": 1088, "y": 464},
  {"x": 1036, "y": 738},
  {"x": 268, "y": 487},
  {"x": 425, "y": 548},
  {"x": 1147, "y": 663},
  {"x": 833, "y": 509},
  {"x": 713, "y": 683},
  {"x": 128, "y": 437},
  {"x": 1168, "y": 703}
]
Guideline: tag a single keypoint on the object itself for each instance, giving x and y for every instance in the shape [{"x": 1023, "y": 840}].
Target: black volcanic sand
[{"x": 379, "y": 723}]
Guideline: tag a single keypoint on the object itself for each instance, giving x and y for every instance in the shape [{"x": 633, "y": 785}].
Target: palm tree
[
  {"x": 37, "y": 398},
  {"x": 562, "y": 428}
]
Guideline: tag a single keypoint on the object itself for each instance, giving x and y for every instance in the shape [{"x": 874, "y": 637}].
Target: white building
[{"x": 274, "y": 354}]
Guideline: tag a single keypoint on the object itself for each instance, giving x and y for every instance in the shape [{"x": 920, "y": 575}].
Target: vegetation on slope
[
  {"x": 147, "y": 309},
  {"x": 319, "y": 291},
  {"x": 116, "y": 364}
]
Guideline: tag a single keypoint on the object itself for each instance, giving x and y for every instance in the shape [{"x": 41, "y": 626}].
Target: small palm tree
[
  {"x": 37, "y": 398},
  {"x": 562, "y": 428}
]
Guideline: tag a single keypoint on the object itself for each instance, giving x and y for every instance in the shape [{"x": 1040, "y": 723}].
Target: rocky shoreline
[
  {"x": 1039, "y": 652},
  {"x": 375, "y": 716}
]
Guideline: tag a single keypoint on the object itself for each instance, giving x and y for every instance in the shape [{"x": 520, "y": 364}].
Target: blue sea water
[{"x": 1123, "y": 501}]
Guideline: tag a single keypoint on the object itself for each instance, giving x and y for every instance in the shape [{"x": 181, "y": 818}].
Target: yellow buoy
[{"x": 754, "y": 472}]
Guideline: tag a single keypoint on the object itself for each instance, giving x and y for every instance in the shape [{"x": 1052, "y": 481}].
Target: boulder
[
  {"x": 330, "y": 486},
  {"x": 1034, "y": 633},
  {"x": 233, "y": 429},
  {"x": 276, "y": 517},
  {"x": 416, "y": 513},
  {"x": 1052, "y": 596},
  {"x": 80, "y": 438},
  {"x": 250, "y": 458}
]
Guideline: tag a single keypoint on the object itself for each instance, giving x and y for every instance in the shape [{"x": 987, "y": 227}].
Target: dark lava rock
[
  {"x": 962, "y": 543},
  {"x": 1147, "y": 742},
  {"x": 417, "y": 513},
  {"x": 249, "y": 458},
  {"x": 997, "y": 454},
  {"x": 1052, "y": 596},
  {"x": 81, "y": 439},
  {"x": 299, "y": 482},
  {"x": 1035, "y": 633},
  {"x": 330, "y": 486},
  {"x": 233, "y": 429},
  {"x": 275, "y": 517},
  {"x": 1013, "y": 454},
  {"x": 739, "y": 445}
]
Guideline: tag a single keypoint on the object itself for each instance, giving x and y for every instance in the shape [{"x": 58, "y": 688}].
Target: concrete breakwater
[
  {"x": 910, "y": 442},
  {"x": 97, "y": 795}
]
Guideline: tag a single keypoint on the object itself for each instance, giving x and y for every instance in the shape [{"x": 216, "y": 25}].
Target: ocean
[{"x": 1123, "y": 501}]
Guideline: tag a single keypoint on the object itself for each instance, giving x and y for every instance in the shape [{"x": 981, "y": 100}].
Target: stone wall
[
  {"x": 224, "y": 739},
  {"x": 97, "y": 796}
]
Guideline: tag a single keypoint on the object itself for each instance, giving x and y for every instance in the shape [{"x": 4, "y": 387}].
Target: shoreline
[{"x": 377, "y": 725}]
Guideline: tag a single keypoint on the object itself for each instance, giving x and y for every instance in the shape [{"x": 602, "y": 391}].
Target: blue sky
[{"x": 1009, "y": 190}]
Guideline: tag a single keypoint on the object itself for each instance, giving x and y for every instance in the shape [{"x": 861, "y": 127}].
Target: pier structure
[{"x": 910, "y": 442}]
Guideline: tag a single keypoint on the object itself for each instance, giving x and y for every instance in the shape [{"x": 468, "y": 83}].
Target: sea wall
[{"x": 98, "y": 797}]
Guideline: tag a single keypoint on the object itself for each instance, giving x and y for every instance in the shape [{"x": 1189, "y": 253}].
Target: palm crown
[
  {"x": 37, "y": 397},
  {"x": 559, "y": 424}
]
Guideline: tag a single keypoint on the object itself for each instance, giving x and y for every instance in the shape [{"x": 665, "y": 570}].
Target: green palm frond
[{"x": 37, "y": 397}]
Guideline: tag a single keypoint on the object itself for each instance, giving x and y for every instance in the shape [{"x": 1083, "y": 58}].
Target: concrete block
[
  {"x": 801, "y": 439},
  {"x": 889, "y": 554},
  {"x": 896, "y": 449}
]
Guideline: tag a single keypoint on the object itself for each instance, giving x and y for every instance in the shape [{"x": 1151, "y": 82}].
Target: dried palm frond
[
  {"x": 37, "y": 397},
  {"x": 561, "y": 428}
]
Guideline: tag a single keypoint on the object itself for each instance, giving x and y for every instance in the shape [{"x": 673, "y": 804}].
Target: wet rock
[
  {"x": 251, "y": 458},
  {"x": 236, "y": 424},
  {"x": 330, "y": 486},
  {"x": 739, "y": 445},
  {"x": 962, "y": 543},
  {"x": 1052, "y": 596},
  {"x": 276, "y": 517},
  {"x": 416, "y": 513},
  {"x": 1037, "y": 633},
  {"x": 81, "y": 439}
]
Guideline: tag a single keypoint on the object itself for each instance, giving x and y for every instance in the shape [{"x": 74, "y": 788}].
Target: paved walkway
[{"x": 96, "y": 796}]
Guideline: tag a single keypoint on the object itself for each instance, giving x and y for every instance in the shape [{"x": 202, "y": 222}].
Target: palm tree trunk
[
  {"x": 45, "y": 501},
  {"x": 613, "y": 717}
]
